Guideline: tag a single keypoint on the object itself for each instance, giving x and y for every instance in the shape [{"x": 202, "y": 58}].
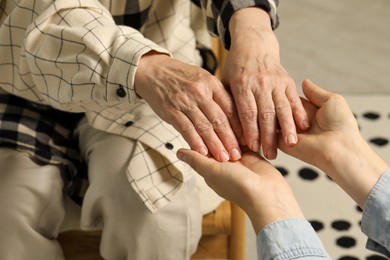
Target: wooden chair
[
  {"x": 223, "y": 234},
  {"x": 223, "y": 237}
]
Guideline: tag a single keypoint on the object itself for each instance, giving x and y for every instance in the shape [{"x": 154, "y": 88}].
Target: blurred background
[{"x": 343, "y": 46}]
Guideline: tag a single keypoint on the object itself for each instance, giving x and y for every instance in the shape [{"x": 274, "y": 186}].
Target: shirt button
[
  {"x": 129, "y": 123},
  {"x": 169, "y": 146},
  {"x": 121, "y": 91}
]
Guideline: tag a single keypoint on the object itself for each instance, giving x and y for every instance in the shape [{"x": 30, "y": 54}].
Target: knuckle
[
  {"x": 203, "y": 126},
  {"x": 230, "y": 112},
  {"x": 182, "y": 98},
  {"x": 203, "y": 88},
  {"x": 240, "y": 81},
  {"x": 296, "y": 102},
  {"x": 187, "y": 128},
  {"x": 263, "y": 81},
  {"x": 219, "y": 121},
  {"x": 267, "y": 116},
  {"x": 198, "y": 90},
  {"x": 282, "y": 110},
  {"x": 195, "y": 90},
  {"x": 248, "y": 114}
]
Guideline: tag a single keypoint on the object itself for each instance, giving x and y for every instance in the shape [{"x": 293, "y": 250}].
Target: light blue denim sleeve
[
  {"x": 376, "y": 217},
  {"x": 290, "y": 239}
]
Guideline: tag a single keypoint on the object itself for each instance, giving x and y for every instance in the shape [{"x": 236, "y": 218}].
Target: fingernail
[
  {"x": 203, "y": 150},
  {"x": 180, "y": 155},
  {"x": 271, "y": 154},
  {"x": 255, "y": 145},
  {"x": 305, "y": 124},
  {"x": 223, "y": 156},
  {"x": 235, "y": 155},
  {"x": 291, "y": 139}
]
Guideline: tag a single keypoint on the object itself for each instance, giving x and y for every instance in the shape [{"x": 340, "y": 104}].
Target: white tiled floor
[{"x": 344, "y": 46}]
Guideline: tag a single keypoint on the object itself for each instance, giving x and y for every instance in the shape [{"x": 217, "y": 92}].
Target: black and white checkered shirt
[{"x": 81, "y": 56}]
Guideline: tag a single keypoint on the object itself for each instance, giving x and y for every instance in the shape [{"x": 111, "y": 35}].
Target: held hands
[
  {"x": 333, "y": 143},
  {"x": 210, "y": 120},
  {"x": 264, "y": 93}
]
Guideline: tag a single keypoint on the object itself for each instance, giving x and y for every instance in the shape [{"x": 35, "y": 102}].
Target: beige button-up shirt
[{"x": 73, "y": 56}]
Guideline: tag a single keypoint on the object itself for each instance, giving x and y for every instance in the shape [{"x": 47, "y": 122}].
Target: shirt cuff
[
  {"x": 288, "y": 239},
  {"x": 120, "y": 83},
  {"x": 228, "y": 9},
  {"x": 376, "y": 216}
]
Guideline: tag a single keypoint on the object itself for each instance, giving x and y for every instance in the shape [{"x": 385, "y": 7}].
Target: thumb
[
  {"x": 315, "y": 94},
  {"x": 200, "y": 163}
]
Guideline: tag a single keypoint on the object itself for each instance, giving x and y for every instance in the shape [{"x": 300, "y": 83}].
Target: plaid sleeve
[
  {"x": 69, "y": 54},
  {"x": 218, "y": 13}
]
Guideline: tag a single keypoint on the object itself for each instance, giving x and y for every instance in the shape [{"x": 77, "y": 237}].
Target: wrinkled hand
[
  {"x": 193, "y": 101},
  {"x": 264, "y": 93}
]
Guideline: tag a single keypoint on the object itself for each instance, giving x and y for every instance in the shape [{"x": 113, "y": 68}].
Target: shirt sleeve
[
  {"x": 376, "y": 217},
  {"x": 290, "y": 239},
  {"x": 218, "y": 14},
  {"x": 70, "y": 54}
]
